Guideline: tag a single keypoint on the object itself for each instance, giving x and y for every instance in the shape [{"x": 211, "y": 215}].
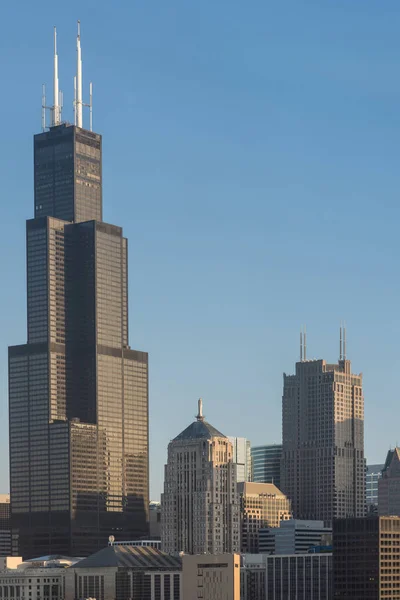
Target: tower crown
[{"x": 200, "y": 428}]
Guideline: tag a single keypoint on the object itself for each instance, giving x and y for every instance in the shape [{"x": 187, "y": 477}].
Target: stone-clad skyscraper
[
  {"x": 323, "y": 469},
  {"x": 200, "y": 504},
  {"x": 78, "y": 395}
]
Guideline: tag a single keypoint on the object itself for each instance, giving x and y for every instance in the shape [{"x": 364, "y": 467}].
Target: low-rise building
[
  {"x": 261, "y": 505},
  {"x": 286, "y": 577},
  {"x": 120, "y": 572},
  {"x": 294, "y": 536},
  {"x": 211, "y": 577},
  {"x": 35, "y": 584}
]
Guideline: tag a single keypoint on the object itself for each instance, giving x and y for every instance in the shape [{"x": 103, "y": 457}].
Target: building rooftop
[
  {"x": 199, "y": 429},
  {"x": 139, "y": 557},
  {"x": 395, "y": 453},
  {"x": 251, "y": 488}
]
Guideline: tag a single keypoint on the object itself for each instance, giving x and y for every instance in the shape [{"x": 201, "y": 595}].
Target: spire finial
[{"x": 200, "y": 416}]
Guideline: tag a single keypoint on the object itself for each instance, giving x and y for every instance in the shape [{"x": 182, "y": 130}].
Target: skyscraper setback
[
  {"x": 78, "y": 394},
  {"x": 323, "y": 470}
]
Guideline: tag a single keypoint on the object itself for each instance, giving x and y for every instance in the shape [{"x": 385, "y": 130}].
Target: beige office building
[
  {"x": 323, "y": 469},
  {"x": 200, "y": 507},
  {"x": 261, "y": 505},
  {"x": 211, "y": 577}
]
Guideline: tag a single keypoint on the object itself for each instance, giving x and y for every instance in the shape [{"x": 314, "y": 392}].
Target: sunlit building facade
[
  {"x": 323, "y": 466},
  {"x": 78, "y": 394},
  {"x": 199, "y": 506}
]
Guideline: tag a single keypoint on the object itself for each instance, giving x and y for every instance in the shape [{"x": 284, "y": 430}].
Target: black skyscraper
[{"x": 78, "y": 395}]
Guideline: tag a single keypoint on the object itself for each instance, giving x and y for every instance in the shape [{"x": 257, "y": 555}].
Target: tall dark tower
[{"x": 78, "y": 394}]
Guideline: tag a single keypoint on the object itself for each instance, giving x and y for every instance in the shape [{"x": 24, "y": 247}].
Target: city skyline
[{"x": 177, "y": 245}]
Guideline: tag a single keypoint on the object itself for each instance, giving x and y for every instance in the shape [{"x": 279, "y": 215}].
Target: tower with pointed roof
[
  {"x": 200, "y": 505},
  {"x": 389, "y": 485}
]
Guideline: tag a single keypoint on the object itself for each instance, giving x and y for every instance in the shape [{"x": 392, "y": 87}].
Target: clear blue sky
[{"x": 251, "y": 153}]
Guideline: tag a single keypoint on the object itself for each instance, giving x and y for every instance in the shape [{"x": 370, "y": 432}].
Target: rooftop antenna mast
[
  {"x": 78, "y": 102},
  {"x": 301, "y": 345},
  {"x": 57, "y": 97},
  {"x": 78, "y": 96},
  {"x": 55, "y": 109},
  {"x": 341, "y": 343}
]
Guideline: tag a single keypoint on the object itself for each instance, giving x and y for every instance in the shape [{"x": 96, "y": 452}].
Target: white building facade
[{"x": 241, "y": 458}]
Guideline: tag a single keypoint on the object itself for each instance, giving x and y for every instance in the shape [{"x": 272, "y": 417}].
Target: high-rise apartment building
[
  {"x": 323, "y": 469},
  {"x": 261, "y": 505},
  {"x": 78, "y": 394},
  {"x": 389, "y": 485},
  {"x": 266, "y": 464},
  {"x": 241, "y": 458},
  {"x": 366, "y": 562},
  {"x": 372, "y": 477},
  {"x": 199, "y": 506}
]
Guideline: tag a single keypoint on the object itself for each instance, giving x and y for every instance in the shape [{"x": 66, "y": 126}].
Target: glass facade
[
  {"x": 372, "y": 477},
  {"x": 68, "y": 174},
  {"x": 241, "y": 458},
  {"x": 78, "y": 395},
  {"x": 266, "y": 464}
]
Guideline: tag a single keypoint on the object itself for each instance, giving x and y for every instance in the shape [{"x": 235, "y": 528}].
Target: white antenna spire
[
  {"x": 78, "y": 100},
  {"x": 56, "y": 109},
  {"x": 75, "y": 100},
  {"x": 341, "y": 343}
]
